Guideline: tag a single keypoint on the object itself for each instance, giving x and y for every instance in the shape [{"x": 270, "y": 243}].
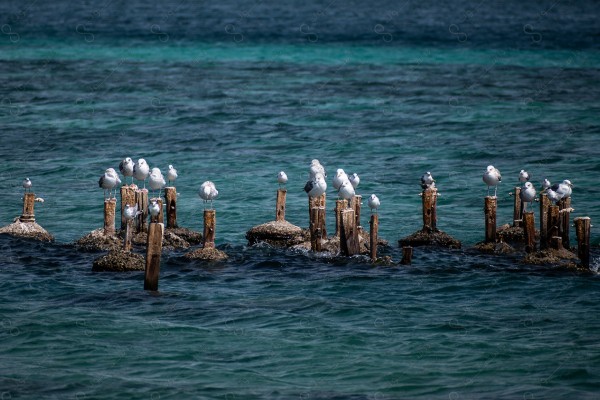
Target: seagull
[
  {"x": 317, "y": 186},
  {"x": 141, "y": 170},
  {"x": 171, "y": 174},
  {"x": 527, "y": 194},
  {"x": 315, "y": 168},
  {"x": 157, "y": 180},
  {"x": 565, "y": 188},
  {"x": 108, "y": 181},
  {"x": 131, "y": 212},
  {"x": 282, "y": 178},
  {"x": 27, "y": 184},
  {"x": 492, "y": 177},
  {"x": 373, "y": 203},
  {"x": 208, "y": 192},
  {"x": 126, "y": 167},
  {"x": 346, "y": 191},
  {"x": 553, "y": 196},
  {"x": 154, "y": 208},
  {"x": 339, "y": 178},
  {"x": 354, "y": 180},
  {"x": 546, "y": 184},
  {"x": 427, "y": 181},
  {"x": 523, "y": 176}
]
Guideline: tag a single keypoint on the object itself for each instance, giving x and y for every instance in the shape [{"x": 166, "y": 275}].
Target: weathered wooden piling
[
  {"x": 490, "y": 219},
  {"x": 349, "y": 244},
  {"x": 160, "y": 218},
  {"x": 553, "y": 221},
  {"x": 280, "y": 205},
  {"x": 407, "y": 252},
  {"x": 28, "y": 204},
  {"x": 373, "y": 236},
  {"x": 429, "y": 200},
  {"x": 128, "y": 234},
  {"x": 565, "y": 218},
  {"x": 127, "y": 197},
  {"x": 141, "y": 199},
  {"x": 340, "y": 205},
  {"x": 582, "y": 228},
  {"x": 356, "y": 204},
  {"x": 544, "y": 204},
  {"x": 518, "y": 208},
  {"x": 316, "y": 234},
  {"x": 171, "y": 202},
  {"x": 153, "y": 252},
  {"x": 210, "y": 222},
  {"x": 556, "y": 242},
  {"x": 110, "y": 207},
  {"x": 319, "y": 202},
  {"x": 529, "y": 230}
]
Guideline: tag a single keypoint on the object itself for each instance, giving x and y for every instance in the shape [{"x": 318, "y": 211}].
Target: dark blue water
[{"x": 234, "y": 92}]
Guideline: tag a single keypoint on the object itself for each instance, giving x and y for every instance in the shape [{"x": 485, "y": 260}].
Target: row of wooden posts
[{"x": 554, "y": 225}]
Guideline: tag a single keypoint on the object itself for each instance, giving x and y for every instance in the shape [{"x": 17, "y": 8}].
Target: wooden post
[
  {"x": 160, "y": 218},
  {"x": 141, "y": 199},
  {"x": 529, "y": 229},
  {"x": 127, "y": 197},
  {"x": 153, "y": 252},
  {"x": 407, "y": 252},
  {"x": 518, "y": 208},
  {"x": 582, "y": 227},
  {"x": 28, "y": 203},
  {"x": 110, "y": 207},
  {"x": 428, "y": 197},
  {"x": 210, "y": 222},
  {"x": 128, "y": 232},
  {"x": 373, "y": 235},
  {"x": 349, "y": 245},
  {"x": 553, "y": 221},
  {"x": 557, "y": 242},
  {"x": 315, "y": 229},
  {"x": 434, "y": 210},
  {"x": 321, "y": 203},
  {"x": 565, "y": 218},
  {"x": 544, "y": 203},
  {"x": 490, "y": 219},
  {"x": 171, "y": 202},
  {"x": 280, "y": 206},
  {"x": 356, "y": 203},
  {"x": 340, "y": 205}
]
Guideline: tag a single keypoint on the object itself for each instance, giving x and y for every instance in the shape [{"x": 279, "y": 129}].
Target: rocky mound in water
[
  {"x": 27, "y": 230},
  {"x": 119, "y": 261}
]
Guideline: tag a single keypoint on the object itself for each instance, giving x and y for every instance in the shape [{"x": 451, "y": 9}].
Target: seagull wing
[{"x": 309, "y": 186}]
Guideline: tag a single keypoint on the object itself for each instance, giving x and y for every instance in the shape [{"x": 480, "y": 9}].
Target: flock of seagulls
[{"x": 528, "y": 193}]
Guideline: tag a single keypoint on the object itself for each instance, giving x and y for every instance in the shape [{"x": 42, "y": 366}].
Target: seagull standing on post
[
  {"x": 27, "y": 184},
  {"x": 208, "y": 192},
  {"x": 171, "y": 174},
  {"x": 141, "y": 170},
  {"x": 565, "y": 188},
  {"x": 427, "y": 181},
  {"x": 524, "y": 176},
  {"x": 126, "y": 167},
  {"x": 354, "y": 180},
  {"x": 317, "y": 186},
  {"x": 373, "y": 202},
  {"x": 492, "y": 177},
  {"x": 527, "y": 194},
  {"x": 157, "y": 181},
  {"x": 108, "y": 181}
]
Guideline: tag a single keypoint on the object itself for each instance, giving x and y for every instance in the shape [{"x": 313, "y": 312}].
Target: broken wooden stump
[
  {"x": 429, "y": 201},
  {"x": 128, "y": 234},
  {"x": 208, "y": 251},
  {"x": 340, "y": 205},
  {"x": 517, "y": 208},
  {"x": 110, "y": 207},
  {"x": 28, "y": 214},
  {"x": 127, "y": 197},
  {"x": 556, "y": 242},
  {"x": 544, "y": 204},
  {"x": 355, "y": 204},
  {"x": 553, "y": 222},
  {"x": 280, "y": 205},
  {"x": 564, "y": 206},
  {"x": 529, "y": 228},
  {"x": 373, "y": 236},
  {"x": 582, "y": 228},
  {"x": 407, "y": 253},
  {"x": 490, "y": 219},
  {"x": 171, "y": 202},
  {"x": 210, "y": 220},
  {"x": 141, "y": 199},
  {"x": 318, "y": 202},
  {"x": 153, "y": 253},
  {"x": 349, "y": 244}
]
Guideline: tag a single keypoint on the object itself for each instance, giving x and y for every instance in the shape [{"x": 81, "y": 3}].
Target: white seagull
[
  {"x": 523, "y": 176},
  {"x": 316, "y": 168},
  {"x": 492, "y": 177},
  {"x": 208, "y": 192},
  {"x": 427, "y": 181},
  {"x": 546, "y": 184},
  {"x": 141, "y": 170},
  {"x": 354, "y": 180},
  {"x": 282, "y": 178},
  {"x": 157, "y": 180},
  {"x": 346, "y": 191},
  {"x": 108, "y": 181},
  {"x": 373, "y": 203},
  {"x": 130, "y": 212},
  {"x": 565, "y": 188},
  {"x": 527, "y": 194},
  {"x": 171, "y": 174},
  {"x": 339, "y": 179},
  {"x": 27, "y": 184},
  {"x": 154, "y": 208},
  {"x": 553, "y": 196},
  {"x": 317, "y": 186},
  {"x": 126, "y": 167}
]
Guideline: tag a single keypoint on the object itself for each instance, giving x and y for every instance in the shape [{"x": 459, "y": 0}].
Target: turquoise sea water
[{"x": 236, "y": 92}]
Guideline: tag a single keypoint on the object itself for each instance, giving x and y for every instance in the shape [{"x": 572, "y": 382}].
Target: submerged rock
[
  {"x": 97, "y": 241},
  {"x": 27, "y": 230},
  {"x": 276, "y": 233},
  {"x": 119, "y": 261},
  {"x": 425, "y": 237},
  {"x": 206, "y": 254},
  {"x": 495, "y": 248},
  {"x": 177, "y": 238},
  {"x": 562, "y": 258}
]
